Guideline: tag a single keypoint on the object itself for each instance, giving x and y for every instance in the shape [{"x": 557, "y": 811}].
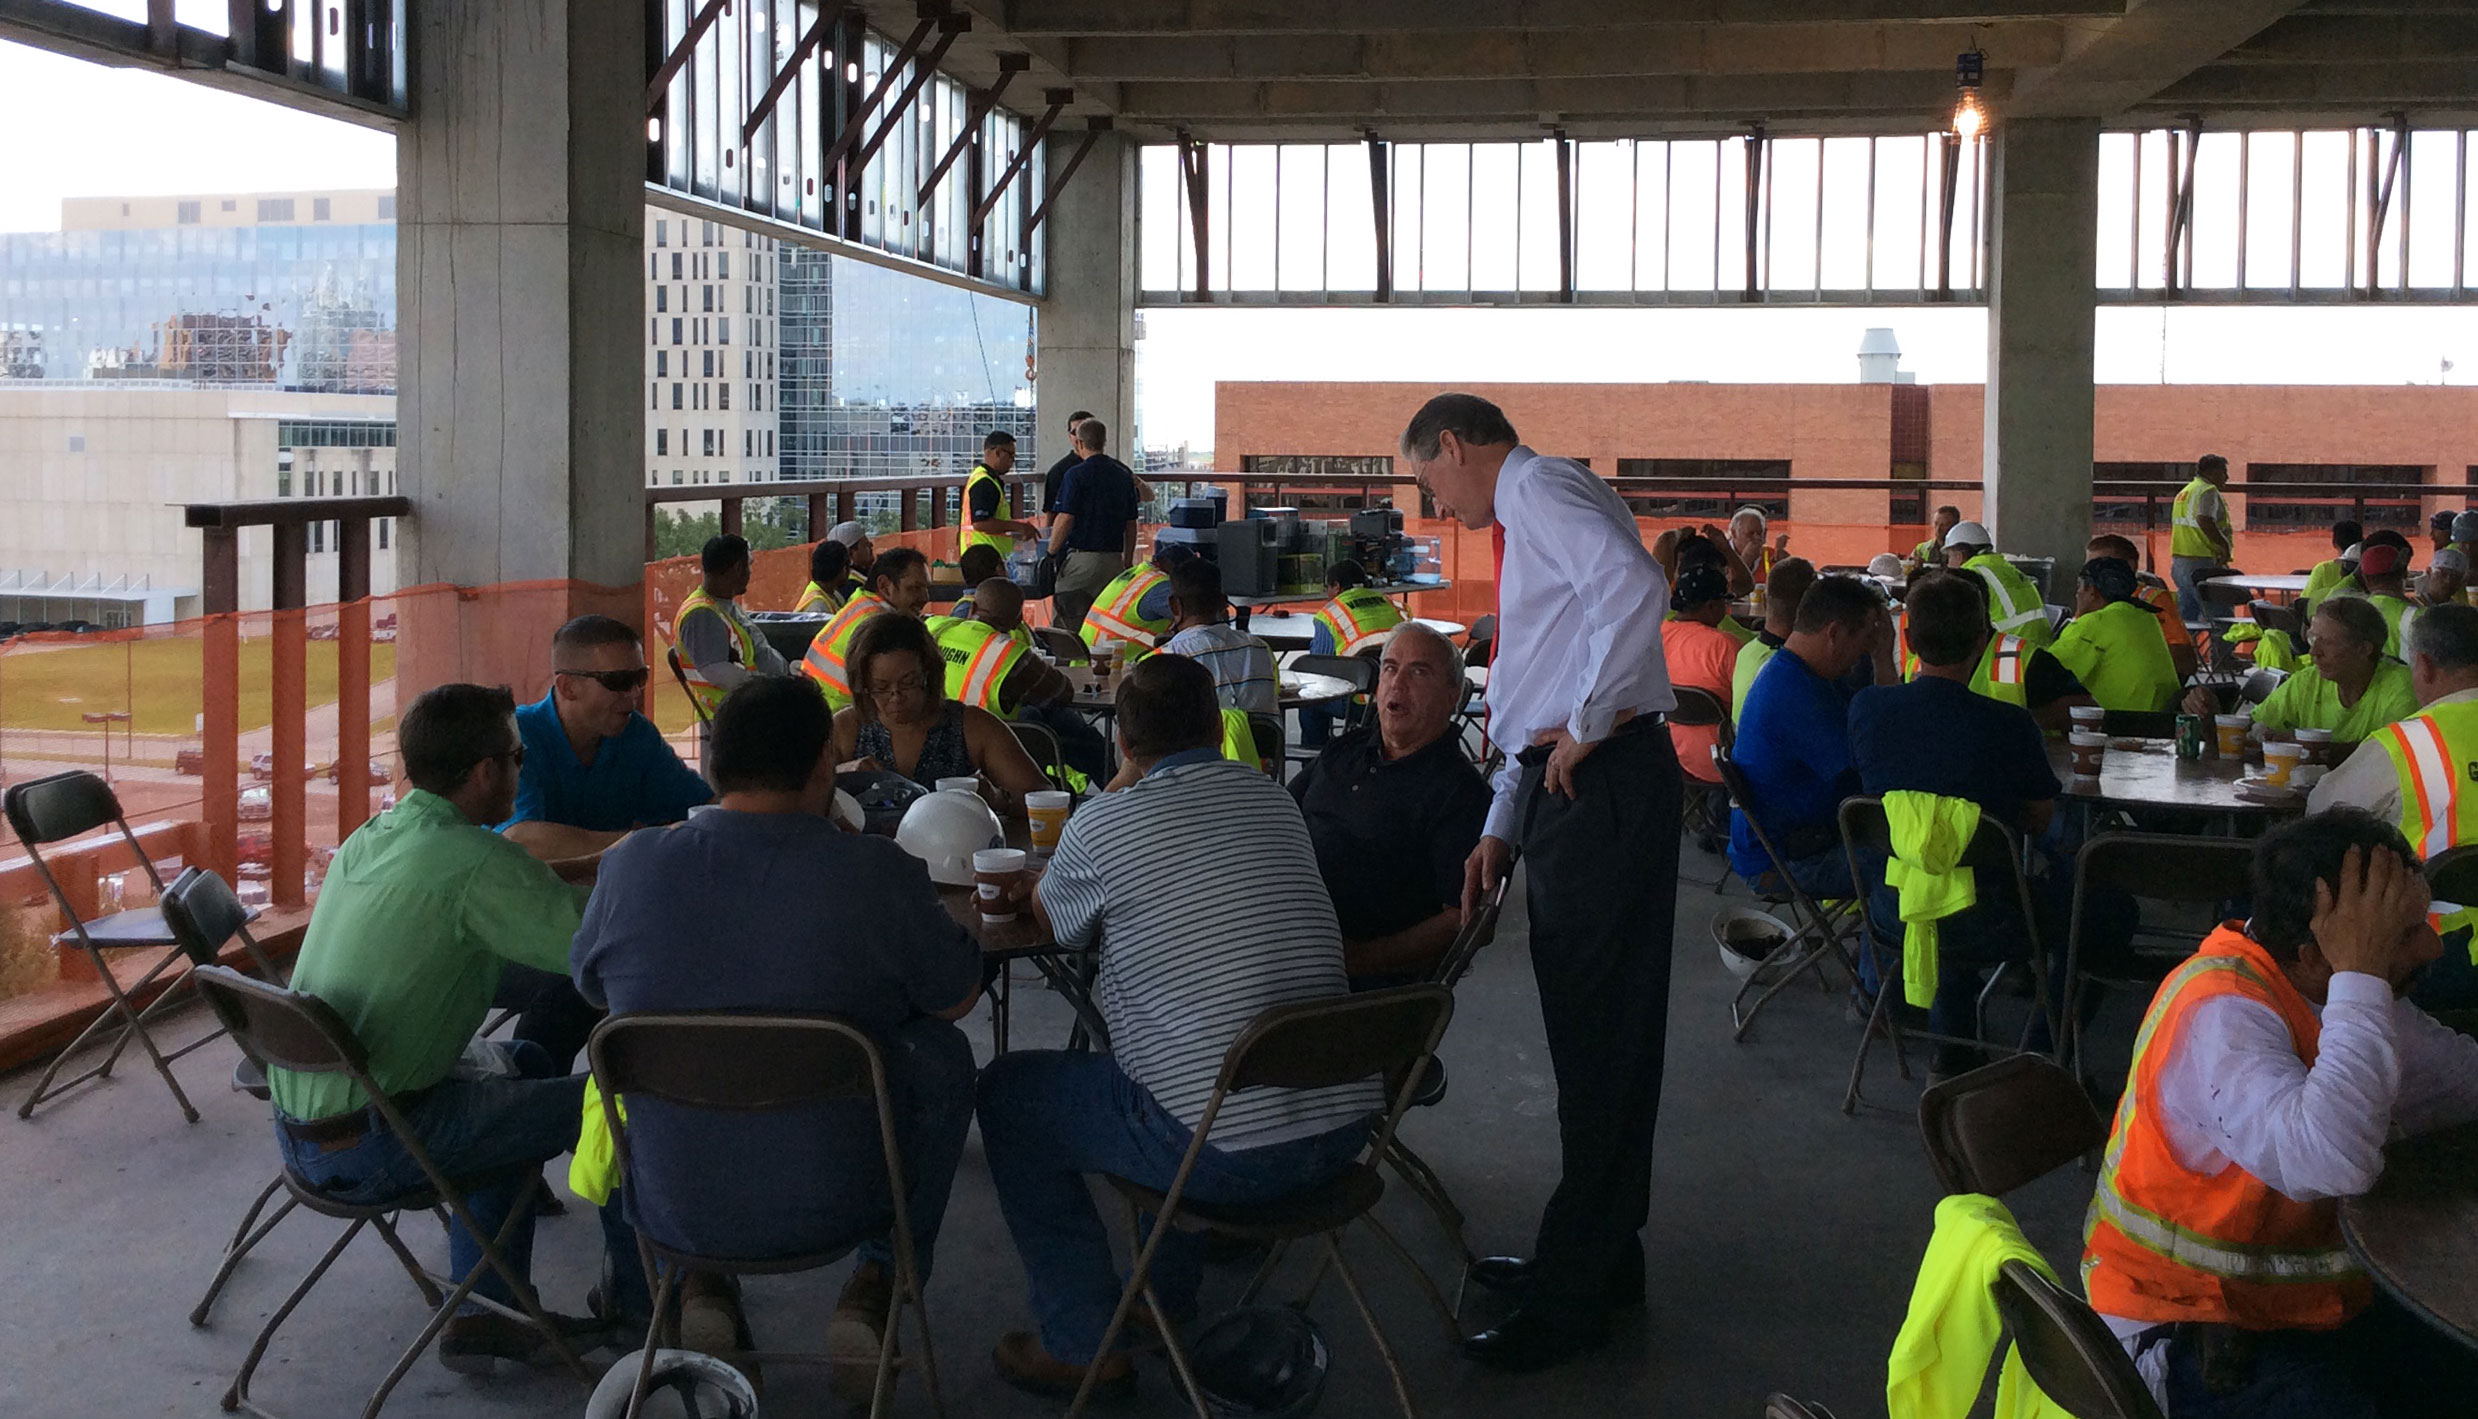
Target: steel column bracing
[
  {"x": 1057, "y": 101},
  {"x": 977, "y": 104},
  {"x": 1192, "y": 172},
  {"x": 658, "y": 87},
  {"x": 1094, "y": 127},
  {"x": 1381, "y": 204},
  {"x": 854, "y": 119},
  {"x": 1565, "y": 215},
  {"x": 826, "y": 17},
  {"x": 950, "y": 27},
  {"x": 2380, "y": 203}
]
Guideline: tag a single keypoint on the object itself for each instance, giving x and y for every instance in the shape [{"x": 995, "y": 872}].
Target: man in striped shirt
[
  {"x": 1201, "y": 889},
  {"x": 1242, "y": 667}
]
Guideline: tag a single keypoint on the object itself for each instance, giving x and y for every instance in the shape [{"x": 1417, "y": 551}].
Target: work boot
[
  {"x": 475, "y": 1344},
  {"x": 1024, "y": 1364},
  {"x": 854, "y": 1336},
  {"x": 710, "y": 1318}
]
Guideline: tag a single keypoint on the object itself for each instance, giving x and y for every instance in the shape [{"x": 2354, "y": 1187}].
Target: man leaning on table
[
  {"x": 422, "y": 908},
  {"x": 2270, "y": 1070},
  {"x": 1190, "y": 953},
  {"x": 1593, "y": 798}
]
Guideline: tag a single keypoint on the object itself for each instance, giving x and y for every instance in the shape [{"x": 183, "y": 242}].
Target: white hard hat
[
  {"x": 1969, "y": 534},
  {"x": 2448, "y": 560},
  {"x": 944, "y": 830},
  {"x": 2353, "y": 552},
  {"x": 1884, "y": 564},
  {"x": 704, "y": 1384},
  {"x": 1749, "y": 939}
]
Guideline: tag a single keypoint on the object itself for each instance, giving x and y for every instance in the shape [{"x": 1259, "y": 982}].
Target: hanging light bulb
[{"x": 1970, "y": 115}]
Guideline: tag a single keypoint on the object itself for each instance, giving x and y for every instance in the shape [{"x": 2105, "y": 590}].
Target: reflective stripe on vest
[
  {"x": 977, "y": 660},
  {"x": 814, "y": 598},
  {"x": 970, "y": 535},
  {"x": 705, "y": 692},
  {"x": 1114, "y": 615},
  {"x": 2015, "y": 602},
  {"x": 2433, "y": 753},
  {"x": 1356, "y": 617},
  {"x": 1999, "y": 674},
  {"x": 824, "y": 662},
  {"x": 2157, "y": 1239}
]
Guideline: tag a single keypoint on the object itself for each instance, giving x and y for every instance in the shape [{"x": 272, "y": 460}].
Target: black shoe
[
  {"x": 1534, "y": 1338},
  {"x": 1432, "y": 1086},
  {"x": 1624, "y": 1287}
]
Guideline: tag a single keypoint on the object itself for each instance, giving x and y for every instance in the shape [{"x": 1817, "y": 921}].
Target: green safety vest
[
  {"x": 2435, "y": 753},
  {"x": 2187, "y": 537},
  {"x": 2001, "y": 674},
  {"x": 978, "y": 660},
  {"x": 706, "y": 693},
  {"x": 825, "y": 660},
  {"x": 2014, "y": 605},
  {"x": 2396, "y": 617},
  {"x": 970, "y": 535},
  {"x": 1356, "y": 617}
]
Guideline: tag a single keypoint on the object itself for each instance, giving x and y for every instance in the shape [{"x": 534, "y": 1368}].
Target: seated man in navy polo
[
  {"x": 1794, "y": 737},
  {"x": 595, "y": 768}
]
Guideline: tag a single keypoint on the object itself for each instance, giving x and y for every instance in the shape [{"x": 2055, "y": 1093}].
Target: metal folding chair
[
  {"x": 1271, "y": 739},
  {"x": 1995, "y": 855},
  {"x": 65, "y": 806},
  {"x": 1061, "y": 644},
  {"x": 2004, "y": 1124},
  {"x": 2259, "y": 684},
  {"x": 2159, "y": 867},
  {"x": 2068, "y": 1351},
  {"x": 733, "y": 1063},
  {"x": 289, "y": 1030},
  {"x": 1309, "y": 1044},
  {"x": 1359, "y": 671},
  {"x": 1041, "y": 742},
  {"x": 1707, "y": 803},
  {"x": 1824, "y": 929},
  {"x": 1471, "y": 712},
  {"x": 705, "y": 722},
  {"x": 1414, "y": 1170}
]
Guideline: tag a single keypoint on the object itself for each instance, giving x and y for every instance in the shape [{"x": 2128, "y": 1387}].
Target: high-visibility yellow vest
[
  {"x": 2165, "y": 1243},
  {"x": 2186, "y": 536},
  {"x": 1239, "y": 741},
  {"x": 1356, "y": 617},
  {"x": 817, "y": 598},
  {"x": 705, "y": 692},
  {"x": 824, "y": 662},
  {"x": 1930, "y": 553},
  {"x": 978, "y": 660},
  {"x": 2014, "y": 605},
  {"x": 970, "y": 535},
  {"x": 1999, "y": 675},
  {"x": 1115, "y": 615},
  {"x": 2433, "y": 753}
]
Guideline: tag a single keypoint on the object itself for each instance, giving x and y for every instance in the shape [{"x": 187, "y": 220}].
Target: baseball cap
[
  {"x": 1699, "y": 586},
  {"x": 2111, "y": 577},
  {"x": 1969, "y": 534},
  {"x": 850, "y": 534},
  {"x": 2465, "y": 527},
  {"x": 2448, "y": 560},
  {"x": 2381, "y": 558},
  {"x": 2442, "y": 520}
]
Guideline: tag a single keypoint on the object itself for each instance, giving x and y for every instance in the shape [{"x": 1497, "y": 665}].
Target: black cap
[
  {"x": 2112, "y": 577},
  {"x": 1698, "y": 586}
]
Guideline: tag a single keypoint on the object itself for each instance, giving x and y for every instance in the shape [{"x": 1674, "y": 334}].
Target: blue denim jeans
[
  {"x": 1048, "y": 1118},
  {"x": 1079, "y": 743},
  {"x": 471, "y": 1128},
  {"x": 929, "y": 1072},
  {"x": 2386, "y": 1364}
]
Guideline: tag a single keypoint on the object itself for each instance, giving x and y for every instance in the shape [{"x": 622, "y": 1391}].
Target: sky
[{"x": 124, "y": 131}]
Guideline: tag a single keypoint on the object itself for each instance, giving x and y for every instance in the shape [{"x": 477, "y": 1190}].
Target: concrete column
[
  {"x": 520, "y": 217},
  {"x": 1086, "y": 358},
  {"x": 2042, "y": 253}
]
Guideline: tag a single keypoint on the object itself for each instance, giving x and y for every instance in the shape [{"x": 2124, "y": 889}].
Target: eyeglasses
[
  {"x": 908, "y": 685},
  {"x": 618, "y": 682}
]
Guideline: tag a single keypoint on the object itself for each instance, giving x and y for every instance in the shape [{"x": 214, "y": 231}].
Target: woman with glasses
[{"x": 900, "y": 719}]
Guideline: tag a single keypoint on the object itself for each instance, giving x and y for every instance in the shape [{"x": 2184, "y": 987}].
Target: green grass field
[{"x": 158, "y": 681}]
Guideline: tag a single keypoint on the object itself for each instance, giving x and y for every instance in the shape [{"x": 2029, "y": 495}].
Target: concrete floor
[{"x": 1782, "y": 1246}]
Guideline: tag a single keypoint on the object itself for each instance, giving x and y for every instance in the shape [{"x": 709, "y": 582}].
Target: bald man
[{"x": 1033, "y": 689}]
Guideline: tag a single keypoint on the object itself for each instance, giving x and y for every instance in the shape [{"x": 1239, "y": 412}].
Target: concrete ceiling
[{"x": 1329, "y": 69}]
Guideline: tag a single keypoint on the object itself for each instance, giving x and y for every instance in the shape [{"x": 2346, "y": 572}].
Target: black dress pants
[
  {"x": 552, "y": 1014},
  {"x": 1602, "y": 889}
]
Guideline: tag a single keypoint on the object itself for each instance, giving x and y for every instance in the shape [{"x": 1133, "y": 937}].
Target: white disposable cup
[
  {"x": 992, "y": 867},
  {"x": 2089, "y": 717},
  {"x": 2090, "y": 749}
]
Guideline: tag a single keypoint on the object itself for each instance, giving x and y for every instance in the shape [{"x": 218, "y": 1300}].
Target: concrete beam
[
  {"x": 1068, "y": 18},
  {"x": 2353, "y": 39},
  {"x": 2112, "y": 66},
  {"x": 1617, "y": 51},
  {"x": 1909, "y": 96},
  {"x": 2355, "y": 88}
]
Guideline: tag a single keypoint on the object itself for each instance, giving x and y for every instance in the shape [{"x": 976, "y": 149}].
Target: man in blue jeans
[
  {"x": 1190, "y": 954},
  {"x": 421, "y": 909},
  {"x": 821, "y": 920}
]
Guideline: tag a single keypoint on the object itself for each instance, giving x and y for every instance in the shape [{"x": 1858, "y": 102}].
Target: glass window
[
  {"x": 188, "y": 213},
  {"x": 274, "y": 209},
  {"x": 321, "y": 209}
]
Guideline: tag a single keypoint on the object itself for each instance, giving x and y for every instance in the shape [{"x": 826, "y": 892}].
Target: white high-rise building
[{"x": 710, "y": 353}]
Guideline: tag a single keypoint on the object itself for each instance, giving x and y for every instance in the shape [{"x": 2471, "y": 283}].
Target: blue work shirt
[
  {"x": 1100, "y": 493},
  {"x": 1938, "y": 736},
  {"x": 1794, "y": 748},
  {"x": 635, "y": 780}
]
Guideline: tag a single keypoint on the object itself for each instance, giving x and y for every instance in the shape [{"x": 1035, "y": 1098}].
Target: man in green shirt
[
  {"x": 420, "y": 908},
  {"x": 2114, "y": 644},
  {"x": 2351, "y": 687}
]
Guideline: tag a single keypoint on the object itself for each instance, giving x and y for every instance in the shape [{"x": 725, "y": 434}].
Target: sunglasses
[{"x": 618, "y": 682}]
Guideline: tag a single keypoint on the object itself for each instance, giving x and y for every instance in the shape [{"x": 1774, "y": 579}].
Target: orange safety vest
[
  {"x": 824, "y": 662},
  {"x": 1114, "y": 616},
  {"x": 706, "y": 693},
  {"x": 1356, "y": 617},
  {"x": 2172, "y": 621},
  {"x": 2164, "y": 1243}
]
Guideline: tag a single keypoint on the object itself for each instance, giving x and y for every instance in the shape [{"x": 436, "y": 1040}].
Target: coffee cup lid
[
  {"x": 2234, "y": 718},
  {"x": 998, "y": 859},
  {"x": 2084, "y": 737}
]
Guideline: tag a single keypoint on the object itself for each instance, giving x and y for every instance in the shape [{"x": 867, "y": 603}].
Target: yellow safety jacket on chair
[
  {"x": 1940, "y": 1359},
  {"x": 1930, "y": 833},
  {"x": 698, "y": 603}
]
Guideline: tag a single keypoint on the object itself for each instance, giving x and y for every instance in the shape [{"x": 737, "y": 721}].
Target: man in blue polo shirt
[
  {"x": 594, "y": 769},
  {"x": 1793, "y": 741}
]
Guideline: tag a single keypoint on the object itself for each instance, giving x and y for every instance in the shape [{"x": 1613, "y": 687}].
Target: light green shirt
[
  {"x": 2308, "y": 701},
  {"x": 1751, "y": 658},
  {"x": 2326, "y": 578},
  {"x": 418, "y": 910},
  {"x": 2120, "y": 655}
]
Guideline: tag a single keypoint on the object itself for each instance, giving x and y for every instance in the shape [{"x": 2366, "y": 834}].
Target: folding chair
[
  {"x": 1822, "y": 928},
  {"x": 1041, "y": 742},
  {"x": 1359, "y": 671},
  {"x": 1479, "y": 648},
  {"x": 1061, "y": 645},
  {"x": 1414, "y": 1170},
  {"x": 1781, "y": 1406},
  {"x": 732, "y": 1063},
  {"x": 2452, "y": 876},
  {"x": 705, "y": 722},
  {"x": 1270, "y": 740},
  {"x": 289, "y": 1030},
  {"x": 1707, "y": 804},
  {"x": 2259, "y": 684},
  {"x": 65, "y": 806},
  {"x": 2158, "y": 867},
  {"x": 1308, "y": 1044},
  {"x": 2068, "y": 1350},
  {"x": 1995, "y": 855},
  {"x": 2004, "y": 1124},
  {"x": 2272, "y": 616}
]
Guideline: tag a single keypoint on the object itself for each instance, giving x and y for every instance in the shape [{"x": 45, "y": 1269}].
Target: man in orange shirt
[
  {"x": 2159, "y": 598},
  {"x": 1701, "y": 656}
]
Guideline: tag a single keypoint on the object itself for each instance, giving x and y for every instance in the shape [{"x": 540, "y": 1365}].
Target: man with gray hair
[
  {"x": 2446, "y": 579},
  {"x": 1394, "y": 809},
  {"x": 1593, "y": 797}
]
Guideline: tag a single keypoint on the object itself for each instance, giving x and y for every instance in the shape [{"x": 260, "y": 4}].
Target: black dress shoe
[
  {"x": 1534, "y": 1338},
  {"x": 1518, "y": 1273}
]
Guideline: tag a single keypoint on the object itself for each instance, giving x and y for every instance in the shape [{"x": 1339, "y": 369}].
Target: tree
[{"x": 766, "y": 522}]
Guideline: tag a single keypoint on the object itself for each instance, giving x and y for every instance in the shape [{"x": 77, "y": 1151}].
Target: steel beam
[
  {"x": 1757, "y": 148},
  {"x": 950, "y": 28},
  {"x": 1565, "y": 215},
  {"x": 657, "y": 88},
  {"x": 235, "y": 63},
  {"x": 1094, "y": 127},
  {"x": 1071, "y": 19},
  {"x": 1057, "y": 99},
  {"x": 1199, "y": 193},
  {"x": 2382, "y": 200},
  {"x": 856, "y": 118},
  {"x": 782, "y": 82},
  {"x": 977, "y": 106},
  {"x": 1381, "y": 206}
]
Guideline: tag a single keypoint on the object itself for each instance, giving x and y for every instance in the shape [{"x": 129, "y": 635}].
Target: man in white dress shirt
[{"x": 1593, "y": 800}]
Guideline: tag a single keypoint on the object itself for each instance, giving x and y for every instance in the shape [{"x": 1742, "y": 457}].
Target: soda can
[{"x": 2192, "y": 734}]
